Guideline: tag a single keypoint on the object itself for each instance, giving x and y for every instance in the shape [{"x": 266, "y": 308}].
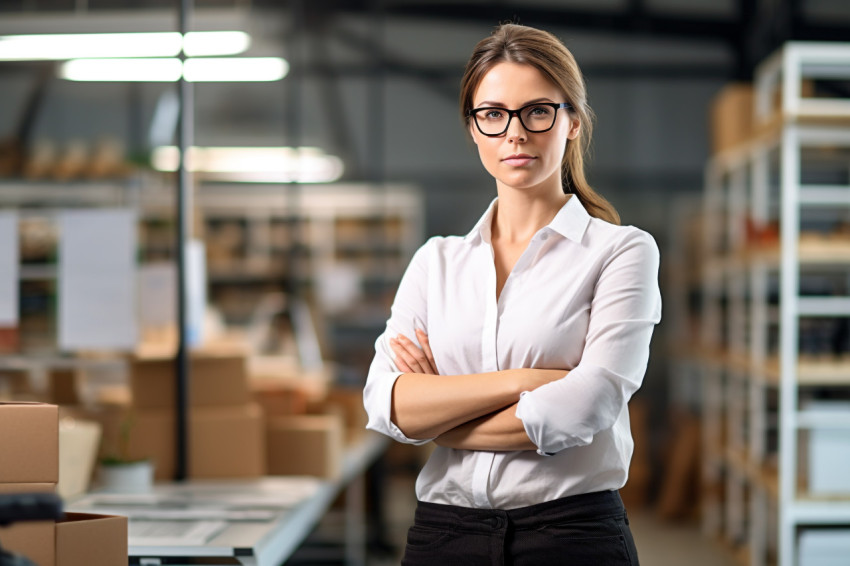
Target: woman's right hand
[{"x": 411, "y": 358}]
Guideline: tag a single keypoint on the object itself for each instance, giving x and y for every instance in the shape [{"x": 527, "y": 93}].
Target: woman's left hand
[{"x": 411, "y": 358}]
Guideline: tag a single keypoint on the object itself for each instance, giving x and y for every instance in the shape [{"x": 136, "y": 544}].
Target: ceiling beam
[
  {"x": 452, "y": 73},
  {"x": 634, "y": 20}
]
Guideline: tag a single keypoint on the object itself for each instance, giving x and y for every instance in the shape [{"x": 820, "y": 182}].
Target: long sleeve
[
  {"x": 408, "y": 312},
  {"x": 626, "y": 306}
]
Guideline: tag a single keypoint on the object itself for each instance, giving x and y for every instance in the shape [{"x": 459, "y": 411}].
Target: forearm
[
  {"x": 498, "y": 431},
  {"x": 425, "y": 406}
]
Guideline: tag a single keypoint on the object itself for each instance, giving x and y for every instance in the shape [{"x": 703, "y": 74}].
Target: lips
[{"x": 518, "y": 159}]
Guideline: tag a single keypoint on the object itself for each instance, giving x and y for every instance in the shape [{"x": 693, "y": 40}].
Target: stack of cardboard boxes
[
  {"x": 245, "y": 420},
  {"x": 227, "y": 436},
  {"x": 308, "y": 421},
  {"x": 29, "y": 463},
  {"x": 226, "y": 429}
]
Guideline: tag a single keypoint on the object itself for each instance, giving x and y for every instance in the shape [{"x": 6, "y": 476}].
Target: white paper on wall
[
  {"x": 97, "y": 279},
  {"x": 9, "y": 268},
  {"x": 196, "y": 291}
]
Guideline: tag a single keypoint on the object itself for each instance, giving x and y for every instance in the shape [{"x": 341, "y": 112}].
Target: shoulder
[
  {"x": 604, "y": 234},
  {"x": 436, "y": 248},
  {"x": 612, "y": 241}
]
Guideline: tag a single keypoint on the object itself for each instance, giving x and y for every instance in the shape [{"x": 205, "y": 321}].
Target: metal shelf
[{"x": 738, "y": 308}]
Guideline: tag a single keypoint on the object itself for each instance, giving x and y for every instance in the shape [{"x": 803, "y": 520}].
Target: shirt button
[{"x": 544, "y": 236}]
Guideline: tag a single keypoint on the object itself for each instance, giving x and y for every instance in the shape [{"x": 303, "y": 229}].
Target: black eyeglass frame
[{"x": 511, "y": 113}]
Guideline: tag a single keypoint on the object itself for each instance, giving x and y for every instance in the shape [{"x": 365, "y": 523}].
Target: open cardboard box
[
  {"x": 80, "y": 539},
  {"x": 33, "y": 539}
]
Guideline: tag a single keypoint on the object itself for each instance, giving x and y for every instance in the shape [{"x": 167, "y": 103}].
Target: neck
[{"x": 519, "y": 215}]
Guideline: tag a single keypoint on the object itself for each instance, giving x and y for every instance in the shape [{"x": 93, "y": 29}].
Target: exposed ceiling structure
[
  {"x": 750, "y": 28},
  {"x": 354, "y": 49}
]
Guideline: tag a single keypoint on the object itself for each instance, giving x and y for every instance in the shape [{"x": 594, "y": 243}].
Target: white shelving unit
[{"x": 754, "y": 373}]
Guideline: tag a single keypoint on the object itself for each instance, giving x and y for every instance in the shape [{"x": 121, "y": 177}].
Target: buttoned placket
[{"x": 489, "y": 351}]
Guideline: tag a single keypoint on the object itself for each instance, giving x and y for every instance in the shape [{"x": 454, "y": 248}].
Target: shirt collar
[{"x": 571, "y": 222}]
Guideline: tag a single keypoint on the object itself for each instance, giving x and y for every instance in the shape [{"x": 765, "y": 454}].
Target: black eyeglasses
[{"x": 536, "y": 118}]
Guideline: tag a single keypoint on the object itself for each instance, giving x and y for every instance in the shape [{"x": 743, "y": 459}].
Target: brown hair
[{"x": 522, "y": 44}]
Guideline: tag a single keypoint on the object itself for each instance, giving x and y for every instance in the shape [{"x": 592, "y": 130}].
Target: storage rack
[
  {"x": 375, "y": 228},
  {"x": 754, "y": 377}
]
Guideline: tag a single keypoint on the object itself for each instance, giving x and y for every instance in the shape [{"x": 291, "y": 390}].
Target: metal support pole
[
  {"x": 184, "y": 183},
  {"x": 293, "y": 112}
]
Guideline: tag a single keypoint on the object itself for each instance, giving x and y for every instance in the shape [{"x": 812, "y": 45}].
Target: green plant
[{"x": 121, "y": 455}]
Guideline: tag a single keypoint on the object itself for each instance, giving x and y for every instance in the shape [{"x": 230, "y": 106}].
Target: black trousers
[{"x": 583, "y": 530}]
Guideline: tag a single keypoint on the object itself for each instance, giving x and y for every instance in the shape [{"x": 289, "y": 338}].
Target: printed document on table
[{"x": 172, "y": 533}]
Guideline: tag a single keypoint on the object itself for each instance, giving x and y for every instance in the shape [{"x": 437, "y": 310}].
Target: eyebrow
[{"x": 487, "y": 103}]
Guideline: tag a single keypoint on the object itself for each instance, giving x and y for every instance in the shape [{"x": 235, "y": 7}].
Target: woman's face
[{"x": 518, "y": 158}]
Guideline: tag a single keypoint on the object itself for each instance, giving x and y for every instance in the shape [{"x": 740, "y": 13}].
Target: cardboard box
[
  {"x": 224, "y": 442},
  {"x": 80, "y": 539},
  {"x": 731, "y": 116},
  {"x": 9, "y": 340},
  {"x": 33, "y": 539},
  {"x": 62, "y": 385},
  {"x": 14, "y": 384},
  {"x": 279, "y": 402},
  {"x": 283, "y": 372},
  {"x": 305, "y": 445},
  {"x": 216, "y": 380},
  {"x": 350, "y": 402},
  {"x": 84, "y": 539},
  {"x": 29, "y": 443}
]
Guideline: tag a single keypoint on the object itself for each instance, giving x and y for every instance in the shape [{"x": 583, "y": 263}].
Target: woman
[{"x": 516, "y": 348}]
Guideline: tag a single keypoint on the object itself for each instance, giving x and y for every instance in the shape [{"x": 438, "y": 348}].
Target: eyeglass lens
[{"x": 534, "y": 118}]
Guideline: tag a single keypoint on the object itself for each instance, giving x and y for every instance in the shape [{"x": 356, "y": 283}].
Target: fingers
[
  {"x": 409, "y": 357},
  {"x": 399, "y": 361},
  {"x": 425, "y": 361},
  {"x": 405, "y": 361},
  {"x": 426, "y": 348}
]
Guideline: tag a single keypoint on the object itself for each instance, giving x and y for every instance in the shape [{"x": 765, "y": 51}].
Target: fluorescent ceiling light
[
  {"x": 254, "y": 164},
  {"x": 208, "y": 69},
  {"x": 60, "y": 47},
  {"x": 207, "y": 43},
  {"x": 122, "y": 70},
  {"x": 238, "y": 69}
]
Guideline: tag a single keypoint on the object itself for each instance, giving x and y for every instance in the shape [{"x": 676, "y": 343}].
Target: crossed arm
[{"x": 472, "y": 412}]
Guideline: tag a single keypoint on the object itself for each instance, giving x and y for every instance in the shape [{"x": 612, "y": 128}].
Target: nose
[{"x": 516, "y": 132}]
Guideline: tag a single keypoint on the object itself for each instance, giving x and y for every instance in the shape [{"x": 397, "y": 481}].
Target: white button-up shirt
[{"x": 582, "y": 297}]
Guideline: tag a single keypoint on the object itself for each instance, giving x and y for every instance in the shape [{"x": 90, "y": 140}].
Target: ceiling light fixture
[
  {"x": 254, "y": 164},
  {"x": 122, "y": 70},
  {"x": 207, "y": 69},
  {"x": 235, "y": 69},
  {"x": 61, "y": 47}
]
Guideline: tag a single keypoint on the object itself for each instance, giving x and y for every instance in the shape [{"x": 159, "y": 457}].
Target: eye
[
  {"x": 492, "y": 114},
  {"x": 538, "y": 111}
]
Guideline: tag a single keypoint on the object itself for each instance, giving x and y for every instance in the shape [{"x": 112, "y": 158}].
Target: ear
[
  {"x": 575, "y": 128},
  {"x": 472, "y": 131}
]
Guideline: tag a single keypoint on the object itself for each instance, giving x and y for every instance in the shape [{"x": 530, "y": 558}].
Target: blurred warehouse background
[{"x": 314, "y": 183}]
